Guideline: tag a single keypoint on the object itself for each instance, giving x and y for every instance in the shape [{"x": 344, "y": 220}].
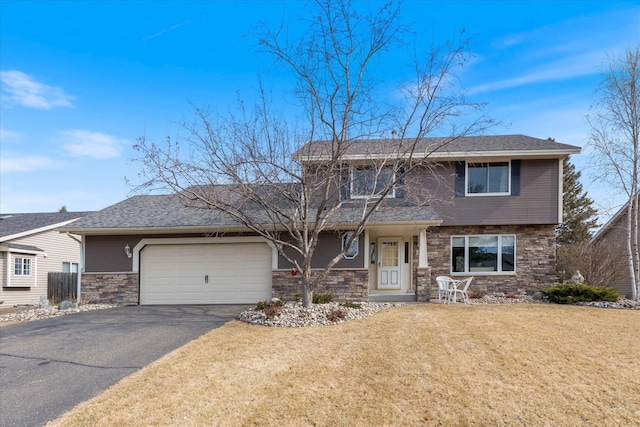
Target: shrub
[
  {"x": 350, "y": 304},
  {"x": 271, "y": 311},
  {"x": 476, "y": 294},
  {"x": 601, "y": 263},
  {"x": 261, "y": 305},
  {"x": 563, "y": 293},
  {"x": 322, "y": 298},
  {"x": 336, "y": 314}
]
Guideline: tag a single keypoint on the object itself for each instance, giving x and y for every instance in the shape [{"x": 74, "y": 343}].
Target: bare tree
[
  {"x": 599, "y": 263},
  {"x": 614, "y": 135},
  {"x": 285, "y": 181}
]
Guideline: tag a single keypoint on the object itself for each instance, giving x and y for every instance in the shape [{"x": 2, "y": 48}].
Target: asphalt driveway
[{"x": 49, "y": 366}]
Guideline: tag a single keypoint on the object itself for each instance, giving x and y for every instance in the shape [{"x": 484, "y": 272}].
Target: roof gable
[{"x": 13, "y": 226}]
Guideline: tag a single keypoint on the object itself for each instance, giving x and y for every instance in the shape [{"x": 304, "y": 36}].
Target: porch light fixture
[{"x": 127, "y": 250}]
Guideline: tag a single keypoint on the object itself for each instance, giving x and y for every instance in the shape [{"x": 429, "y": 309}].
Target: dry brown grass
[{"x": 418, "y": 365}]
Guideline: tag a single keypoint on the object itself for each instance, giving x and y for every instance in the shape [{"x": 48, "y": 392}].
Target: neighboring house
[
  {"x": 613, "y": 235},
  {"x": 30, "y": 249},
  {"x": 493, "y": 217}
]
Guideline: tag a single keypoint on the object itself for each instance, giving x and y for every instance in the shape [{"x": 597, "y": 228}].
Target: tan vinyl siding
[
  {"x": 617, "y": 235},
  {"x": 58, "y": 247},
  {"x": 3, "y": 269},
  {"x": 20, "y": 281},
  {"x": 537, "y": 202}
]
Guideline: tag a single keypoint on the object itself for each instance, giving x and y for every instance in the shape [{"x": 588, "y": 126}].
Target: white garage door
[{"x": 205, "y": 274}]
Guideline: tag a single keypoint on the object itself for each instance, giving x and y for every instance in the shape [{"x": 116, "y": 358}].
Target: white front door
[{"x": 388, "y": 263}]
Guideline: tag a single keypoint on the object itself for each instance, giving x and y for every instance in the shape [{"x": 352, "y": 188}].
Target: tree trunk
[
  {"x": 307, "y": 293},
  {"x": 631, "y": 248},
  {"x": 632, "y": 225}
]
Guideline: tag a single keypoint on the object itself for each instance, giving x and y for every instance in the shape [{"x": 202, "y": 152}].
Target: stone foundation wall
[
  {"x": 345, "y": 285},
  {"x": 535, "y": 257},
  {"x": 110, "y": 288}
]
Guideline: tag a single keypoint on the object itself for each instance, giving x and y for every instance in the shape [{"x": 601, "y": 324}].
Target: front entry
[{"x": 389, "y": 263}]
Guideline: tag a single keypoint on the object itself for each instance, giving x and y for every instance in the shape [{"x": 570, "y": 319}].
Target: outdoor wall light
[{"x": 127, "y": 250}]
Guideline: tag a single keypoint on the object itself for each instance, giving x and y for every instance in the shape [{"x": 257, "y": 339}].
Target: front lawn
[{"x": 416, "y": 365}]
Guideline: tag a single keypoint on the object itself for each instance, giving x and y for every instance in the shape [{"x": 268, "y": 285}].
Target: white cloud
[
  {"x": 165, "y": 30},
  {"x": 21, "y": 89},
  {"x": 17, "y": 163},
  {"x": 566, "y": 68},
  {"x": 98, "y": 145},
  {"x": 6, "y": 135}
]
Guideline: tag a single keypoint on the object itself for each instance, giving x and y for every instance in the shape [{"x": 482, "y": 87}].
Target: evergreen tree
[{"x": 578, "y": 215}]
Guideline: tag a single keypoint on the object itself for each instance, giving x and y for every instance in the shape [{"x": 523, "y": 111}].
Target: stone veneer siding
[
  {"x": 421, "y": 275},
  {"x": 535, "y": 257},
  {"x": 345, "y": 285},
  {"x": 109, "y": 288}
]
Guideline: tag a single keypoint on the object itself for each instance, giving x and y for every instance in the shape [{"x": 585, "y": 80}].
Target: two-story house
[{"x": 489, "y": 212}]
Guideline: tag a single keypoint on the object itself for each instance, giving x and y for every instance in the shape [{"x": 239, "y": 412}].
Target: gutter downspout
[{"x": 80, "y": 268}]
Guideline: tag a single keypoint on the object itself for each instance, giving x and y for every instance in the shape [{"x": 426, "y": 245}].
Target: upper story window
[
  {"x": 488, "y": 178},
  {"x": 368, "y": 181},
  {"x": 22, "y": 266}
]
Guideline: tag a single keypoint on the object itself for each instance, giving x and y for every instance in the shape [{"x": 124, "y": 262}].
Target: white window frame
[
  {"x": 354, "y": 245},
  {"x": 468, "y": 271},
  {"x": 391, "y": 194},
  {"x": 25, "y": 264},
  {"x": 71, "y": 266},
  {"x": 500, "y": 193}
]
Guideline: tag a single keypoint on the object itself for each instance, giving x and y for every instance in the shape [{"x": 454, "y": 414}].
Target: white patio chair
[
  {"x": 444, "y": 287},
  {"x": 460, "y": 287}
]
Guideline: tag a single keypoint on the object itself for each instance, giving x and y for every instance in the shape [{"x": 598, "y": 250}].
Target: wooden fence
[{"x": 62, "y": 286}]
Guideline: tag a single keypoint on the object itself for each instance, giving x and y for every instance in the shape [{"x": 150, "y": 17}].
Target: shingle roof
[
  {"x": 441, "y": 147},
  {"x": 11, "y": 224},
  {"x": 163, "y": 212},
  {"x": 170, "y": 212}
]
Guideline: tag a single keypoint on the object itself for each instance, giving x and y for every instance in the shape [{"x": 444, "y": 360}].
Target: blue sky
[{"x": 81, "y": 80}]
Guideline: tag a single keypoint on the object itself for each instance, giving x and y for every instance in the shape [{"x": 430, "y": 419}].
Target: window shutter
[
  {"x": 400, "y": 190},
  {"x": 344, "y": 184},
  {"x": 460, "y": 166},
  {"x": 515, "y": 177}
]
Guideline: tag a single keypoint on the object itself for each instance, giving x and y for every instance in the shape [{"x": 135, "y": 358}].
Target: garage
[{"x": 228, "y": 273}]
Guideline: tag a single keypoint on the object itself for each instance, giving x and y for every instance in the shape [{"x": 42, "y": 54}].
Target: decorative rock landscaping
[
  {"x": 43, "y": 313},
  {"x": 502, "y": 299},
  {"x": 294, "y": 315},
  {"x": 621, "y": 304}
]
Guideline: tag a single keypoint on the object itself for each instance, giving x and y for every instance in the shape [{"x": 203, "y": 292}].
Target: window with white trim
[
  {"x": 483, "y": 254},
  {"x": 22, "y": 266},
  {"x": 488, "y": 178},
  {"x": 69, "y": 267},
  {"x": 352, "y": 251},
  {"x": 369, "y": 181}
]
